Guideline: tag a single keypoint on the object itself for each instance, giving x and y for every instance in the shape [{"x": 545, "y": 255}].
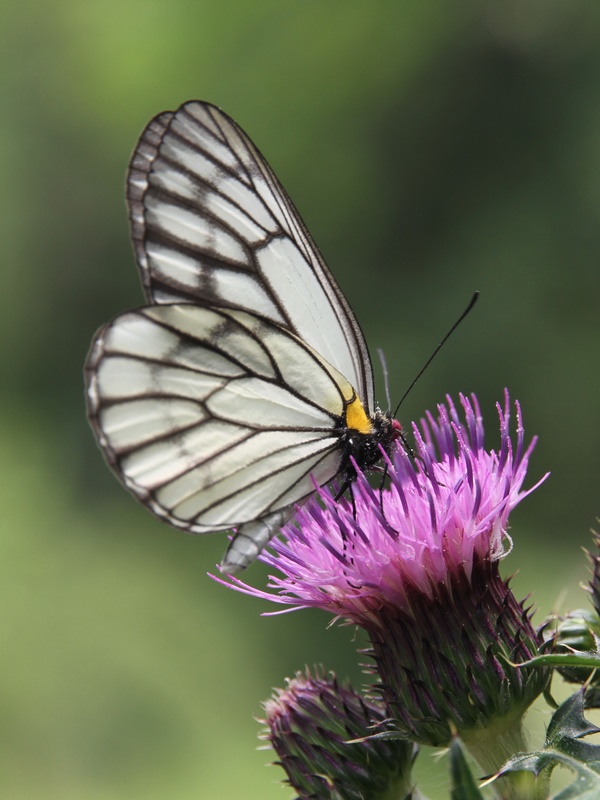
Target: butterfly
[{"x": 245, "y": 382}]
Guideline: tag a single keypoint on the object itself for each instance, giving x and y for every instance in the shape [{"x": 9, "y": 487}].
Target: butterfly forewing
[{"x": 211, "y": 223}]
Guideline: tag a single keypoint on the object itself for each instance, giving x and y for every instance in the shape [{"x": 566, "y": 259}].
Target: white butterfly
[{"x": 247, "y": 379}]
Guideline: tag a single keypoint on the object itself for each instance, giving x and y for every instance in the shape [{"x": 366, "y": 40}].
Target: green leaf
[
  {"x": 564, "y": 747},
  {"x": 463, "y": 784},
  {"x": 578, "y": 658},
  {"x": 568, "y": 723}
]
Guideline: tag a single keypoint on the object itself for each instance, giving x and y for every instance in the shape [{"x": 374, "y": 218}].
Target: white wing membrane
[
  {"x": 212, "y": 224},
  {"x": 224, "y": 402},
  {"x": 213, "y": 417}
]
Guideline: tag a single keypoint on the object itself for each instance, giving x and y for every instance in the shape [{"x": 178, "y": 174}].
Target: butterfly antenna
[
  {"x": 386, "y": 375},
  {"x": 472, "y": 302}
]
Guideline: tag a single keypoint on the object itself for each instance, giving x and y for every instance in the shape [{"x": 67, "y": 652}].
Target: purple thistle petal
[{"x": 442, "y": 512}]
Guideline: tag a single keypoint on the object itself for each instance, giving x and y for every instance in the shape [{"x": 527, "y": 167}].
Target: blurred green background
[{"x": 433, "y": 148}]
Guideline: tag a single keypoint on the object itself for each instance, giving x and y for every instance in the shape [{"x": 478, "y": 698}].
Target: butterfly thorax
[{"x": 363, "y": 448}]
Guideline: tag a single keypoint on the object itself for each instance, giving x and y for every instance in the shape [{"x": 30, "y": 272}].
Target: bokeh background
[{"x": 433, "y": 149}]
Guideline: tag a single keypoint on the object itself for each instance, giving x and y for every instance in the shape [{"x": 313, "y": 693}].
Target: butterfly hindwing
[{"x": 213, "y": 418}]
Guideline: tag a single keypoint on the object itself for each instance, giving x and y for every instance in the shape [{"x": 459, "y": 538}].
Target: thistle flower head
[
  {"x": 594, "y": 584},
  {"x": 314, "y": 724},
  {"x": 446, "y": 510},
  {"x": 579, "y": 630},
  {"x": 417, "y": 567}
]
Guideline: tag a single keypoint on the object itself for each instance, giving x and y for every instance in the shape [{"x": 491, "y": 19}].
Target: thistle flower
[
  {"x": 594, "y": 585},
  {"x": 311, "y": 725},
  {"x": 417, "y": 566},
  {"x": 580, "y": 630}
]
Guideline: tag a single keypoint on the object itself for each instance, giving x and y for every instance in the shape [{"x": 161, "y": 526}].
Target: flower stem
[{"x": 492, "y": 746}]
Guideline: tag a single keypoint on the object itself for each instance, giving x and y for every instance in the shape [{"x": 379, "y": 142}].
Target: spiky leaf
[{"x": 564, "y": 747}]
